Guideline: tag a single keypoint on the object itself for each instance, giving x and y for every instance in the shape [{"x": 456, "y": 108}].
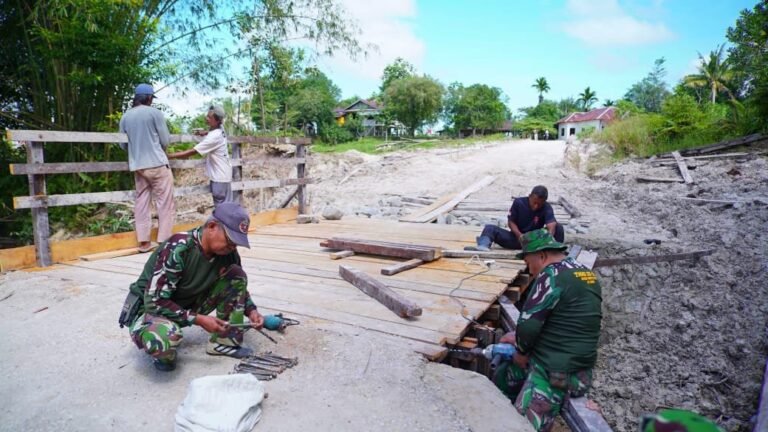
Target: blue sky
[{"x": 605, "y": 44}]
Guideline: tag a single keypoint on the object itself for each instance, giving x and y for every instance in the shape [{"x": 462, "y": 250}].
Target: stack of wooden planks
[{"x": 289, "y": 272}]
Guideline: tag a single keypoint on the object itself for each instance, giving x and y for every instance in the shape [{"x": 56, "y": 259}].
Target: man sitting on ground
[
  {"x": 556, "y": 335},
  {"x": 188, "y": 277},
  {"x": 526, "y": 214}
]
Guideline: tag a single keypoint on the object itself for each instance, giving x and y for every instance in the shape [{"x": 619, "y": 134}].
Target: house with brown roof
[
  {"x": 369, "y": 112},
  {"x": 597, "y": 119}
]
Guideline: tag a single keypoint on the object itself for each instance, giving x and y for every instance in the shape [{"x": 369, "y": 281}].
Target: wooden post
[
  {"x": 237, "y": 172},
  {"x": 301, "y": 153},
  {"x": 40, "y": 225}
]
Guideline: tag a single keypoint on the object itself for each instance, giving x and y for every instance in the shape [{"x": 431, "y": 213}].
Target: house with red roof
[{"x": 597, "y": 119}]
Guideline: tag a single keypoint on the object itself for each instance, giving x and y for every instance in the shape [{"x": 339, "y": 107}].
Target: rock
[
  {"x": 605, "y": 271},
  {"x": 368, "y": 211},
  {"x": 395, "y": 201},
  {"x": 305, "y": 218},
  {"x": 332, "y": 213},
  {"x": 450, "y": 219}
]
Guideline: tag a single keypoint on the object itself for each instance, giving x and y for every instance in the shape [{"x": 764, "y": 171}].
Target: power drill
[
  {"x": 504, "y": 351},
  {"x": 496, "y": 353},
  {"x": 278, "y": 322}
]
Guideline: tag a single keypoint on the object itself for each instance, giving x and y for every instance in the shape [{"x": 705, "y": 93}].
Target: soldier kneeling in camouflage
[
  {"x": 556, "y": 335},
  {"x": 189, "y": 276}
]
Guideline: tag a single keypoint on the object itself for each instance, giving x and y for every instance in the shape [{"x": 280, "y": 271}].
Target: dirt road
[{"x": 674, "y": 334}]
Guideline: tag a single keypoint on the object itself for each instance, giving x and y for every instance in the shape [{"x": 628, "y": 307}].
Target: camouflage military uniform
[
  {"x": 675, "y": 420},
  {"x": 179, "y": 282},
  {"x": 558, "y": 329}
]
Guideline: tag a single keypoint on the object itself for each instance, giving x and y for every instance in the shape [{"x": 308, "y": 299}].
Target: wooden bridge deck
[{"x": 290, "y": 272}]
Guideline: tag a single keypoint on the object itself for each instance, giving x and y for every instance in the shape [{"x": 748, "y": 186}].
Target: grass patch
[{"x": 378, "y": 146}]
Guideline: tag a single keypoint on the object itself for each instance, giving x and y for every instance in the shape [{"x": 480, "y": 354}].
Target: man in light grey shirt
[{"x": 148, "y": 137}]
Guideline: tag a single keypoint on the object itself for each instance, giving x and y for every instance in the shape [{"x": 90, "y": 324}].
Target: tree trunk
[
  {"x": 260, "y": 91},
  {"x": 714, "y": 92}
]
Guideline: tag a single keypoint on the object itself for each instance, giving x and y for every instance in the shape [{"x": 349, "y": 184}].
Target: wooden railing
[{"x": 36, "y": 169}]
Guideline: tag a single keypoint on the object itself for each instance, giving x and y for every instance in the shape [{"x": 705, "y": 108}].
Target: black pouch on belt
[{"x": 130, "y": 308}]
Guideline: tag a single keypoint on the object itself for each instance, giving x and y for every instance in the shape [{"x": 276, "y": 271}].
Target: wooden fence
[{"x": 36, "y": 170}]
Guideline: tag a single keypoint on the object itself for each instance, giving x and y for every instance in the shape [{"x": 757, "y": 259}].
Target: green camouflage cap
[
  {"x": 676, "y": 420},
  {"x": 538, "y": 240}
]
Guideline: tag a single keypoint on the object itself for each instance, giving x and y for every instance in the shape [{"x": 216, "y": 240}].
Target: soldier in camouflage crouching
[
  {"x": 556, "y": 335},
  {"x": 189, "y": 276}
]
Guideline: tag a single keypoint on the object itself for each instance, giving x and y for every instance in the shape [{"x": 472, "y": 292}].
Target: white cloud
[
  {"x": 186, "y": 102},
  {"x": 606, "y": 23},
  {"x": 384, "y": 24}
]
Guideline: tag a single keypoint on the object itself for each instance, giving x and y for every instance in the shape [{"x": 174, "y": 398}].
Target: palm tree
[
  {"x": 714, "y": 73},
  {"x": 542, "y": 86},
  {"x": 609, "y": 102},
  {"x": 587, "y": 98}
]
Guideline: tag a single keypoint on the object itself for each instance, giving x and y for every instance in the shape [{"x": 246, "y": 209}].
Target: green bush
[
  {"x": 633, "y": 135},
  {"x": 335, "y": 134}
]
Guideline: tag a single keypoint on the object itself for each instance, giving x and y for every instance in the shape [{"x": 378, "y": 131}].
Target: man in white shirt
[{"x": 214, "y": 148}]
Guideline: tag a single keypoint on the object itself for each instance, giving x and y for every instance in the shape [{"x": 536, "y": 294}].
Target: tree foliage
[
  {"x": 477, "y": 107},
  {"x": 650, "y": 92},
  {"x": 397, "y": 70},
  {"x": 542, "y": 86},
  {"x": 748, "y": 56},
  {"x": 587, "y": 98},
  {"x": 414, "y": 101},
  {"x": 714, "y": 74}
]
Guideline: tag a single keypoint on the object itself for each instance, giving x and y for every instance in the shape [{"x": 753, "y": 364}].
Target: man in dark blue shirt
[{"x": 526, "y": 214}]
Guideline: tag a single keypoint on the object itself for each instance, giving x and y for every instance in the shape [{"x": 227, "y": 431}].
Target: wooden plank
[
  {"x": 606, "y": 262},
  {"x": 114, "y": 137},
  {"x": 40, "y": 228},
  {"x": 78, "y": 167},
  {"x": 398, "y": 304},
  {"x": 401, "y": 267},
  {"x": 688, "y": 159},
  {"x": 109, "y": 255},
  {"x": 423, "y": 253},
  {"x": 420, "y": 212},
  {"x": 722, "y": 145},
  {"x": 509, "y": 310},
  {"x": 683, "y": 167},
  {"x": 646, "y": 179},
  {"x": 68, "y": 250},
  {"x": 301, "y": 172},
  {"x": 129, "y": 195},
  {"x": 570, "y": 208},
  {"x": 237, "y": 173},
  {"x": 492, "y": 254},
  {"x": 582, "y": 419},
  {"x": 341, "y": 254},
  {"x": 430, "y": 215},
  {"x": 415, "y": 200},
  {"x": 761, "y": 423}
]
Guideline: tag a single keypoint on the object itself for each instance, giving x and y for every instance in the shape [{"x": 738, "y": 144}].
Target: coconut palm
[
  {"x": 587, "y": 98},
  {"x": 714, "y": 73},
  {"x": 542, "y": 86},
  {"x": 609, "y": 102}
]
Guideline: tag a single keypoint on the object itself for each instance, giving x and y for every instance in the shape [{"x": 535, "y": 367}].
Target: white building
[{"x": 574, "y": 123}]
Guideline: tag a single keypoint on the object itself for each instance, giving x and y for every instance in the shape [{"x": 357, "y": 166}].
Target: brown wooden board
[
  {"x": 401, "y": 267},
  {"x": 683, "y": 167},
  {"x": 430, "y": 213},
  {"x": 398, "y": 304},
  {"x": 424, "y": 253}
]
